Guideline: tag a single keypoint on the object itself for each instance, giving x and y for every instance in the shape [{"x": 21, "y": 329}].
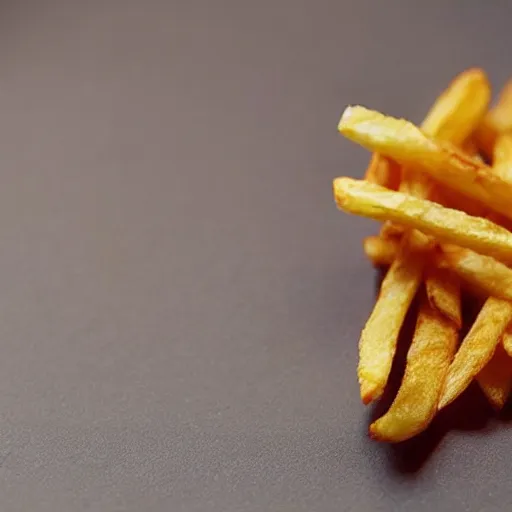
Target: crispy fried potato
[
  {"x": 379, "y": 337},
  {"x": 485, "y": 273},
  {"x": 443, "y": 291},
  {"x": 477, "y": 348},
  {"x": 497, "y": 120},
  {"x": 502, "y": 156},
  {"x": 447, "y": 221},
  {"x": 428, "y": 360},
  {"x": 449, "y": 226},
  {"x": 452, "y": 117},
  {"x": 495, "y": 379},
  {"x": 455, "y": 114},
  {"x": 412, "y": 184},
  {"x": 406, "y": 144},
  {"x": 381, "y": 251},
  {"x": 449, "y": 198},
  {"x": 460, "y": 108},
  {"x": 383, "y": 171},
  {"x": 455, "y": 111}
]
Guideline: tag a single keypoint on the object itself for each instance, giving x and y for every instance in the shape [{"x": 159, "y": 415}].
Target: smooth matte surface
[{"x": 180, "y": 299}]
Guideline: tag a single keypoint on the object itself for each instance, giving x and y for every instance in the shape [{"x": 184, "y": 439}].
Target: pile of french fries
[{"x": 443, "y": 192}]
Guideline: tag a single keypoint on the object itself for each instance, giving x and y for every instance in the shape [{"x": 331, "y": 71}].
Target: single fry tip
[
  {"x": 475, "y": 70},
  {"x": 443, "y": 402},
  {"x": 352, "y": 115},
  {"x": 369, "y": 392},
  {"x": 373, "y": 432},
  {"x": 338, "y": 186},
  {"x": 347, "y": 114}
]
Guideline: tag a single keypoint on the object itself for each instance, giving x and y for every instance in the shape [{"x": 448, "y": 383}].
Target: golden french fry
[
  {"x": 452, "y": 117},
  {"x": 477, "y": 348},
  {"x": 502, "y": 156},
  {"x": 507, "y": 341},
  {"x": 460, "y": 108},
  {"x": 449, "y": 226},
  {"x": 381, "y": 251},
  {"x": 383, "y": 171},
  {"x": 406, "y": 144},
  {"x": 497, "y": 120},
  {"x": 428, "y": 360},
  {"x": 443, "y": 291},
  {"x": 495, "y": 379},
  {"x": 380, "y": 334},
  {"x": 412, "y": 184},
  {"x": 502, "y": 153},
  {"x": 485, "y": 273}
]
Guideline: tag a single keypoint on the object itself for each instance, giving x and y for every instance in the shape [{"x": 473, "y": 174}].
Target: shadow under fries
[{"x": 470, "y": 412}]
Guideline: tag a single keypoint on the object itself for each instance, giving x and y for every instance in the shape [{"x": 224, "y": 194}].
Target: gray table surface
[{"x": 180, "y": 299}]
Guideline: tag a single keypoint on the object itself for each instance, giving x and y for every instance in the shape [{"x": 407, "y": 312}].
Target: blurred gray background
[{"x": 180, "y": 300}]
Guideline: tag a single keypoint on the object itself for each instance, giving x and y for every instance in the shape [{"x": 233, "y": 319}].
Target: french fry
[
  {"x": 502, "y": 152},
  {"x": 449, "y": 226},
  {"x": 406, "y": 144},
  {"x": 447, "y": 222},
  {"x": 443, "y": 292},
  {"x": 498, "y": 120},
  {"x": 451, "y": 199},
  {"x": 383, "y": 171},
  {"x": 502, "y": 156},
  {"x": 502, "y": 167},
  {"x": 381, "y": 251},
  {"x": 485, "y": 273},
  {"x": 410, "y": 186},
  {"x": 460, "y": 108},
  {"x": 454, "y": 115},
  {"x": 495, "y": 379},
  {"x": 378, "y": 340},
  {"x": 477, "y": 348},
  {"x": 428, "y": 360}
]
